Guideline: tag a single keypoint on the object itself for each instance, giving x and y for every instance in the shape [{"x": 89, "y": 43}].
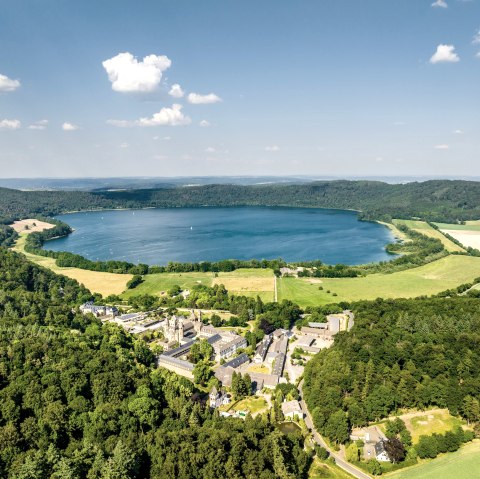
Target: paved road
[{"x": 346, "y": 466}]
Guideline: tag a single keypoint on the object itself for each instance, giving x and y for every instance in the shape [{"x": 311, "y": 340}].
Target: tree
[
  {"x": 352, "y": 453},
  {"x": 337, "y": 428},
  {"x": 202, "y": 373},
  {"x": 427, "y": 447},
  {"x": 395, "y": 450},
  {"x": 374, "y": 467}
]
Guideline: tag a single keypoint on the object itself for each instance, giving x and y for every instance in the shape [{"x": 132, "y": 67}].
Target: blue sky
[{"x": 276, "y": 87}]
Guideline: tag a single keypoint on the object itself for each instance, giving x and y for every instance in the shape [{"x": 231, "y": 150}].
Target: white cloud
[
  {"x": 478, "y": 55},
  {"x": 124, "y": 145},
  {"x": 7, "y": 84},
  {"x": 440, "y": 4},
  {"x": 445, "y": 54},
  {"x": 272, "y": 148},
  {"x": 10, "y": 124},
  {"x": 69, "y": 126},
  {"x": 458, "y": 132},
  {"x": 204, "y": 123},
  {"x": 441, "y": 147},
  {"x": 165, "y": 117},
  {"x": 176, "y": 91},
  {"x": 198, "y": 99},
  {"x": 476, "y": 38},
  {"x": 39, "y": 125},
  {"x": 127, "y": 74},
  {"x": 210, "y": 149}
]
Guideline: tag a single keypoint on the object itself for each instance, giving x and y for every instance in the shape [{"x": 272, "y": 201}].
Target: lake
[{"x": 157, "y": 236}]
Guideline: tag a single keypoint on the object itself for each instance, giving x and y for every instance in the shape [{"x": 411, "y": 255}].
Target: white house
[{"x": 292, "y": 409}]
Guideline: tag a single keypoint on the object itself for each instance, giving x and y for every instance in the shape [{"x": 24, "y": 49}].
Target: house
[
  {"x": 292, "y": 409},
  {"x": 98, "y": 310},
  {"x": 218, "y": 398},
  {"x": 262, "y": 349},
  {"x": 380, "y": 452},
  {"x": 374, "y": 440}
]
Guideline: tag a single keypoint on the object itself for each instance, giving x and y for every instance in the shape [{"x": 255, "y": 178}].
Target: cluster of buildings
[
  {"x": 180, "y": 335},
  {"x": 99, "y": 311},
  {"x": 271, "y": 352},
  {"x": 374, "y": 442}
]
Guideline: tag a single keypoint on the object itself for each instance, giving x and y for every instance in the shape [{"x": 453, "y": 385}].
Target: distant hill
[{"x": 435, "y": 200}]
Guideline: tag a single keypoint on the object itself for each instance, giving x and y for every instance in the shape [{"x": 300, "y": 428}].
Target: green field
[
  {"x": 326, "y": 470},
  {"x": 468, "y": 226},
  {"x": 429, "y": 279},
  {"x": 463, "y": 464},
  {"x": 246, "y": 282},
  {"x": 425, "y": 229}
]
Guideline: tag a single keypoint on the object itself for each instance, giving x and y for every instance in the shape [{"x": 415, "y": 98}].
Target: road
[{"x": 346, "y": 466}]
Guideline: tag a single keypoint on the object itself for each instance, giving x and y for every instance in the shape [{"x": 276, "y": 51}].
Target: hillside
[{"x": 440, "y": 200}]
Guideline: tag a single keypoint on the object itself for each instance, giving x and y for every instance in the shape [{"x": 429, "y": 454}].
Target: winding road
[{"x": 340, "y": 462}]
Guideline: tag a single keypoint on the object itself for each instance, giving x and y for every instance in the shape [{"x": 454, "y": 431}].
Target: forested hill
[
  {"x": 80, "y": 400},
  {"x": 439, "y": 200}
]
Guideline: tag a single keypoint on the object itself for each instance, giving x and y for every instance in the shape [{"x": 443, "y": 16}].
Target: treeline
[
  {"x": 416, "y": 353},
  {"x": 8, "y": 236},
  {"x": 440, "y": 200},
  {"x": 80, "y": 400}
]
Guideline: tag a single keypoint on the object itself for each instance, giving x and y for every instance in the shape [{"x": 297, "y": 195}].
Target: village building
[
  {"x": 98, "y": 310},
  {"x": 219, "y": 398},
  {"x": 262, "y": 349},
  {"x": 292, "y": 409},
  {"x": 374, "y": 442}
]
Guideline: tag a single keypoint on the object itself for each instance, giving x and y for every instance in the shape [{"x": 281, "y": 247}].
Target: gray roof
[
  {"x": 180, "y": 350},
  {"x": 318, "y": 325},
  {"x": 214, "y": 339},
  {"x": 380, "y": 447},
  {"x": 279, "y": 364},
  {"x": 238, "y": 361},
  {"x": 180, "y": 363},
  {"x": 289, "y": 407}
]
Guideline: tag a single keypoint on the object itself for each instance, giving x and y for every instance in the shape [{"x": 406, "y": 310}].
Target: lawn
[
  {"x": 429, "y": 279},
  {"x": 425, "y": 229},
  {"x": 254, "y": 405},
  {"x": 426, "y": 423},
  {"x": 95, "y": 281},
  {"x": 326, "y": 470},
  {"x": 156, "y": 284},
  {"x": 462, "y": 464}
]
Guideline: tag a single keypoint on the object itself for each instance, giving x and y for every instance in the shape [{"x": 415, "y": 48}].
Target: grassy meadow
[
  {"x": 246, "y": 282},
  {"x": 429, "y": 279},
  {"x": 326, "y": 470},
  {"x": 95, "y": 281},
  {"x": 462, "y": 464},
  {"x": 425, "y": 229}
]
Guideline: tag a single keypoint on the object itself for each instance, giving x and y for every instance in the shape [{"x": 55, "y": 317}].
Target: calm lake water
[{"x": 157, "y": 236}]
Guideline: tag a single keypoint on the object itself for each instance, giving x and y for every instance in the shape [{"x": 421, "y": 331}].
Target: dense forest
[
  {"x": 400, "y": 354},
  {"x": 439, "y": 200},
  {"x": 79, "y": 400}
]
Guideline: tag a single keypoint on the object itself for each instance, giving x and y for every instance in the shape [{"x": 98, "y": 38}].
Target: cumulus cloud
[
  {"x": 39, "y": 125},
  {"x": 440, "y": 4},
  {"x": 210, "y": 149},
  {"x": 198, "y": 99},
  {"x": 176, "y": 91},
  {"x": 441, "y": 147},
  {"x": 10, "y": 124},
  {"x": 127, "y": 74},
  {"x": 124, "y": 145},
  {"x": 69, "y": 126},
  {"x": 272, "y": 148},
  {"x": 204, "y": 123},
  {"x": 445, "y": 54},
  {"x": 7, "y": 84},
  {"x": 458, "y": 132},
  {"x": 165, "y": 117}
]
